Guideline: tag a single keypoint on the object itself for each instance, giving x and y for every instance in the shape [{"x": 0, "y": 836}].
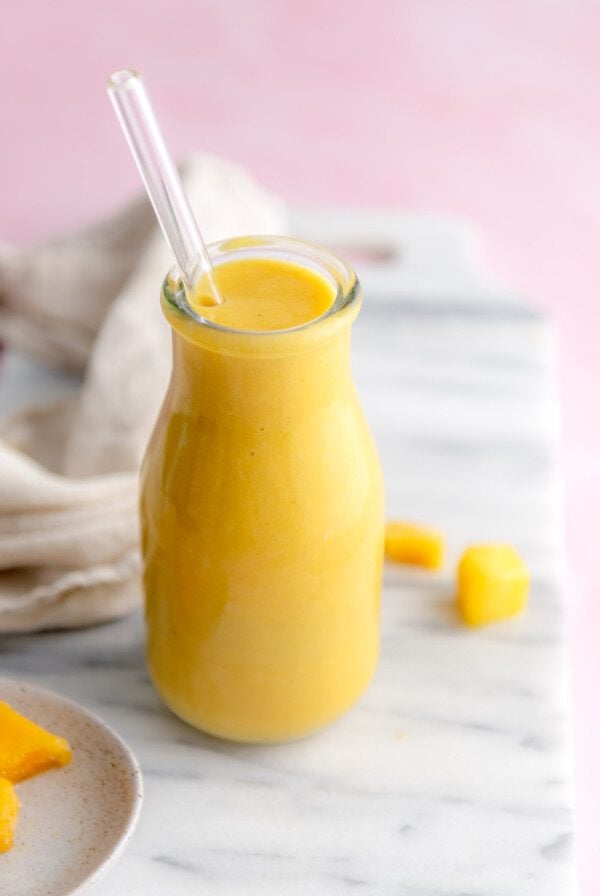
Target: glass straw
[{"x": 163, "y": 184}]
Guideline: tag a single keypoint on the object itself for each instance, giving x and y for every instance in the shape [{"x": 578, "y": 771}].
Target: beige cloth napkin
[{"x": 68, "y": 470}]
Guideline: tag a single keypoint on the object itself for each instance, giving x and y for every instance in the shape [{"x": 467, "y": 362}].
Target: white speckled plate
[{"x": 75, "y": 821}]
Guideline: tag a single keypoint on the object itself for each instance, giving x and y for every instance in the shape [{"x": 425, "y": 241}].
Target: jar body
[{"x": 262, "y": 539}]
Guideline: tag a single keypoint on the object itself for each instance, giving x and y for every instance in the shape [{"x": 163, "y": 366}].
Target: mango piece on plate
[
  {"x": 9, "y": 810},
  {"x": 26, "y": 749},
  {"x": 417, "y": 545},
  {"x": 493, "y": 583}
]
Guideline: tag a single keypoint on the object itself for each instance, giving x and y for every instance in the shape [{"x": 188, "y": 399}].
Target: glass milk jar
[{"x": 262, "y": 507}]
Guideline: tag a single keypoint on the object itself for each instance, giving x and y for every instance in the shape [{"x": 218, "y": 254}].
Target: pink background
[{"x": 489, "y": 109}]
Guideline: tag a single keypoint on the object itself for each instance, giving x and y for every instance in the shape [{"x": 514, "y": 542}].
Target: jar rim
[{"x": 320, "y": 260}]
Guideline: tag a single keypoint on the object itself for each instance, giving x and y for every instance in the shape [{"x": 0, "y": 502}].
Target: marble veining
[{"x": 452, "y": 775}]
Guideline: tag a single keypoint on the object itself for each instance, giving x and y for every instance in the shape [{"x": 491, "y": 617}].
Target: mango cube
[
  {"x": 417, "y": 545},
  {"x": 9, "y": 810},
  {"x": 26, "y": 749},
  {"x": 493, "y": 584}
]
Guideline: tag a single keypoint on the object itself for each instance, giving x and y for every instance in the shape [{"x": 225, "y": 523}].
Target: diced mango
[
  {"x": 26, "y": 749},
  {"x": 9, "y": 811},
  {"x": 417, "y": 545},
  {"x": 493, "y": 584}
]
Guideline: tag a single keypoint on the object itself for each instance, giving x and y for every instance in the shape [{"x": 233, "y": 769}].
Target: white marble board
[{"x": 452, "y": 777}]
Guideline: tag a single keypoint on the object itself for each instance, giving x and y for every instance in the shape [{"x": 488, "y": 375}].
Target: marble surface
[{"x": 452, "y": 776}]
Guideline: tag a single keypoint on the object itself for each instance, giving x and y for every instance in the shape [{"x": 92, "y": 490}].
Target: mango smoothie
[{"x": 262, "y": 501}]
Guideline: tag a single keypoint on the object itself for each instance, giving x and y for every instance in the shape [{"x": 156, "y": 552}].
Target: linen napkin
[{"x": 69, "y": 469}]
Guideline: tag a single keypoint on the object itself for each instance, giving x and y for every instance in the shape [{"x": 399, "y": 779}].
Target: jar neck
[
  {"x": 221, "y": 370},
  {"x": 221, "y": 385},
  {"x": 189, "y": 322}
]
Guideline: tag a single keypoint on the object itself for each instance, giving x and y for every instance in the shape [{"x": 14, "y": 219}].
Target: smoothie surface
[{"x": 263, "y": 294}]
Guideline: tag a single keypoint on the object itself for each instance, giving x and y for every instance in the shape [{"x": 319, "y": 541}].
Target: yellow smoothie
[
  {"x": 263, "y": 294},
  {"x": 262, "y": 504}
]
